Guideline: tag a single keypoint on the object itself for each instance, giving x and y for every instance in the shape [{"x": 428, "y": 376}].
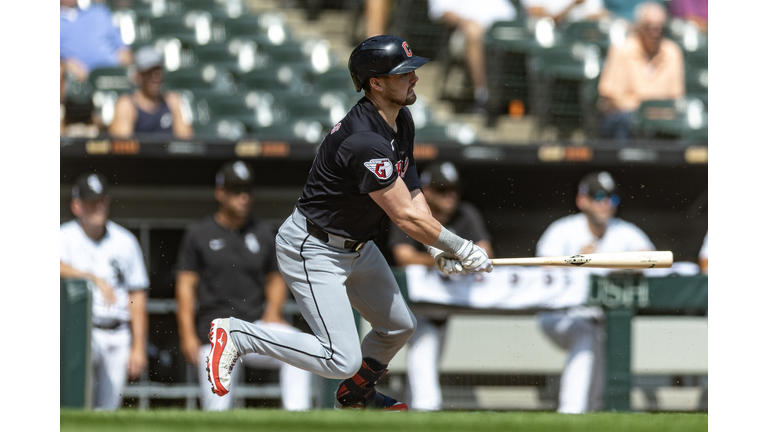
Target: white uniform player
[
  {"x": 581, "y": 330},
  {"x": 94, "y": 248}
]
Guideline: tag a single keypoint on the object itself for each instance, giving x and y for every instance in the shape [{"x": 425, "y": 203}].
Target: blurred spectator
[
  {"x": 472, "y": 19},
  {"x": 646, "y": 66},
  {"x": 695, "y": 11},
  {"x": 624, "y": 9},
  {"x": 86, "y": 124},
  {"x": 227, "y": 266},
  {"x": 562, "y": 11},
  {"x": 97, "y": 249},
  {"x": 441, "y": 184},
  {"x": 704, "y": 255},
  {"x": 148, "y": 110},
  {"x": 376, "y": 17},
  {"x": 89, "y": 39},
  {"x": 581, "y": 330}
]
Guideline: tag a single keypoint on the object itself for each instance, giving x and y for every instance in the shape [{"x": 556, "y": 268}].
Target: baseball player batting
[{"x": 364, "y": 171}]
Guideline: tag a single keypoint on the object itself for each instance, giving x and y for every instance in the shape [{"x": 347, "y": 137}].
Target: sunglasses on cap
[{"x": 601, "y": 195}]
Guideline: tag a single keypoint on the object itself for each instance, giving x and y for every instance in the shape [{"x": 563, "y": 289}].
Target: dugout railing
[{"x": 623, "y": 297}]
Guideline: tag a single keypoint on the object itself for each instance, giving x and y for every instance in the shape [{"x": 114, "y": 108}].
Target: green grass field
[{"x": 264, "y": 420}]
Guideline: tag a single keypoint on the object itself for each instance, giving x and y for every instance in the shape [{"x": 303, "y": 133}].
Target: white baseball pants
[
  {"x": 110, "y": 350},
  {"x": 424, "y": 351},
  {"x": 583, "y": 378}
]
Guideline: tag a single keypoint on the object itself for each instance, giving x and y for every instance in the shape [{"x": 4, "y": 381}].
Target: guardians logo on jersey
[{"x": 381, "y": 167}]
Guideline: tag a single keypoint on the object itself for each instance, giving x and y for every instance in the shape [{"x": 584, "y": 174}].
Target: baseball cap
[
  {"x": 598, "y": 185},
  {"x": 147, "y": 58},
  {"x": 234, "y": 174},
  {"x": 440, "y": 175},
  {"x": 90, "y": 186}
]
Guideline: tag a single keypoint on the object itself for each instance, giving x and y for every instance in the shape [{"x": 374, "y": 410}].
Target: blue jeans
[{"x": 617, "y": 126}]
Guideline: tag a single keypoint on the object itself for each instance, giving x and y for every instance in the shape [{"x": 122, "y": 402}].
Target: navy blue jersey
[{"x": 360, "y": 155}]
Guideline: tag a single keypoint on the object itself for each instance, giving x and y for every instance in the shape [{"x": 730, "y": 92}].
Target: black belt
[
  {"x": 109, "y": 325},
  {"x": 318, "y": 233}
]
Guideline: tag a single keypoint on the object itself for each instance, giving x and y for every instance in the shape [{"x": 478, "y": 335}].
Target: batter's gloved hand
[
  {"x": 474, "y": 259},
  {"x": 446, "y": 263}
]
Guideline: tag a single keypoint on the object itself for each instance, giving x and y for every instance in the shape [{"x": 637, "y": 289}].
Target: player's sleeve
[
  {"x": 188, "y": 258},
  {"x": 64, "y": 246},
  {"x": 136, "y": 277},
  {"x": 550, "y": 243},
  {"x": 478, "y": 230},
  {"x": 370, "y": 159},
  {"x": 638, "y": 240}
]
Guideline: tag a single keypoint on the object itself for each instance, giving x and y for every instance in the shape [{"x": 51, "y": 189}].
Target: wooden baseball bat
[{"x": 615, "y": 260}]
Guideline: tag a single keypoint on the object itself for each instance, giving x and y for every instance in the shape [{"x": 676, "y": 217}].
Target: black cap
[
  {"x": 440, "y": 175},
  {"x": 596, "y": 182},
  {"x": 234, "y": 174},
  {"x": 90, "y": 186}
]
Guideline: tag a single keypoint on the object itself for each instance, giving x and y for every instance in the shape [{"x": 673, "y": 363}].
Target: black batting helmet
[{"x": 382, "y": 55}]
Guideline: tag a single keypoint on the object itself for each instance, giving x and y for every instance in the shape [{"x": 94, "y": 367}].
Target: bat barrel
[{"x": 616, "y": 260}]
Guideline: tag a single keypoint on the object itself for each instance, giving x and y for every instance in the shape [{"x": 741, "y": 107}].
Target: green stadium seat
[
  {"x": 191, "y": 28},
  {"x": 410, "y": 20},
  {"x": 301, "y": 130},
  {"x": 336, "y": 79},
  {"x": 283, "y": 79},
  {"x": 221, "y": 127},
  {"x": 270, "y": 25},
  {"x": 595, "y": 32},
  {"x": 209, "y": 78},
  {"x": 508, "y": 46},
  {"x": 253, "y": 109},
  {"x": 682, "y": 119},
  {"x": 564, "y": 87},
  {"x": 696, "y": 83}
]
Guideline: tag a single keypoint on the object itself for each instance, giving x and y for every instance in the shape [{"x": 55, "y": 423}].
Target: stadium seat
[
  {"x": 282, "y": 79},
  {"x": 222, "y": 128},
  {"x": 564, "y": 80},
  {"x": 336, "y": 79},
  {"x": 271, "y": 25},
  {"x": 682, "y": 119},
  {"x": 209, "y": 79},
  {"x": 191, "y": 28},
  {"x": 327, "y": 108},
  {"x": 601, "y": 33},
  {"x": 696, "y": 83},
  {"x": 508, "y": 46},
  {"x": 254, "y": 109},
  {"x": 308, "y": 131}
]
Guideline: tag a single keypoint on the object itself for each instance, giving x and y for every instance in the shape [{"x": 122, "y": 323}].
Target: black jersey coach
[{"x": 363, "y": 173}]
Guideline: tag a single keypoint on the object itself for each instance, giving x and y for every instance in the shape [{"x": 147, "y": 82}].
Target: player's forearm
[
  {"x": 137, "y": 307},
  {"x": 186, "y": 296},
  {"x": 275, "y": 293},
  {"x": 68, "y": 272}
]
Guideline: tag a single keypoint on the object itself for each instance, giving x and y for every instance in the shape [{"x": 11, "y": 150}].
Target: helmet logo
[{"x": 407, "y": 49}]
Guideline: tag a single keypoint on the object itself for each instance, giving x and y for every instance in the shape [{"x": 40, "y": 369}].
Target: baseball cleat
[
  {"x": 359, "y": 392},
  {"x": 222, "y": 357},
  {"x": 373, "y": 401}
]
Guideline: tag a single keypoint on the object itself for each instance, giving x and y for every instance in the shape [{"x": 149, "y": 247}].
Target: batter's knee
[{"x": 345, "y": 365}]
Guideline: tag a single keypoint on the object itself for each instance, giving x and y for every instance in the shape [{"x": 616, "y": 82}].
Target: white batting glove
[
  {"x": 447, "y": 266},
  {"x": 475, "y": 260}
]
